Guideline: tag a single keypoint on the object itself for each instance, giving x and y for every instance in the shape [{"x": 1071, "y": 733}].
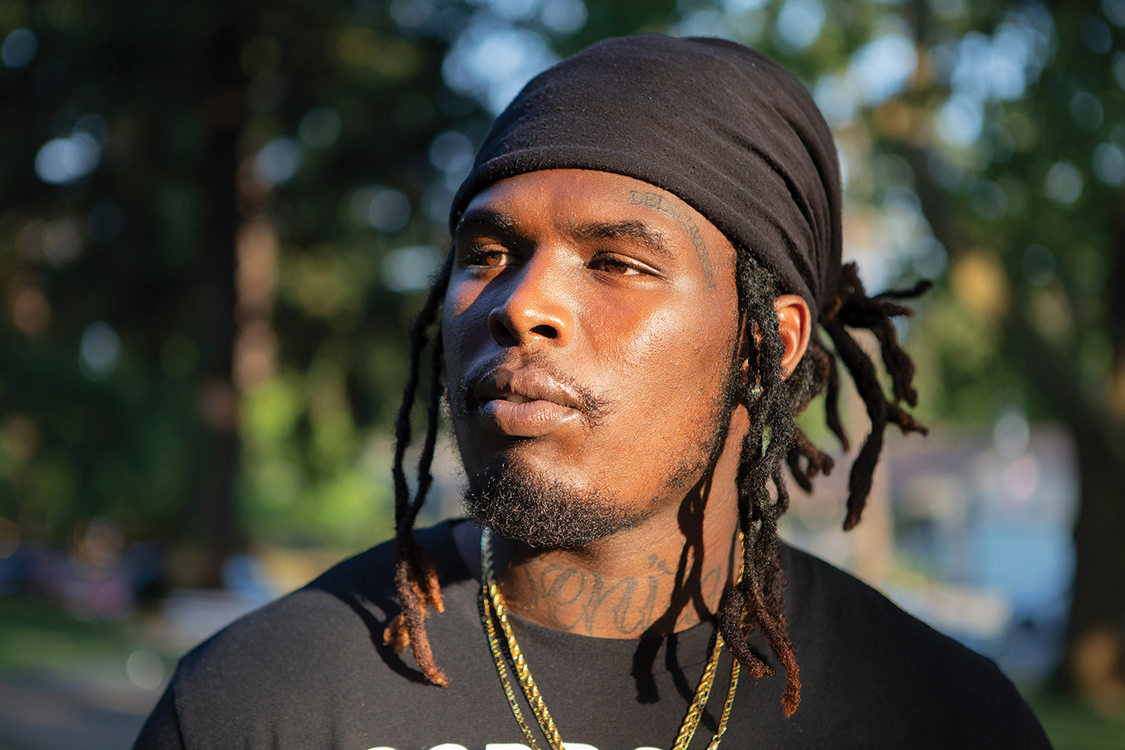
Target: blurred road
[
  {"x": 99, "y": 702},
  {"x": 49, "y": 713}
]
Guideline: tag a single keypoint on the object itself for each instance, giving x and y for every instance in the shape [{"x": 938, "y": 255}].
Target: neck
[{"x": 665, "y": 575}]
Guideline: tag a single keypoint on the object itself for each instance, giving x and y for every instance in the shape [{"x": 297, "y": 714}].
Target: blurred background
[{"x": 216, "y": 221}]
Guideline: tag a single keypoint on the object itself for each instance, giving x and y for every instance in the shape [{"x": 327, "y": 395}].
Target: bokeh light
[
  {"x": 65, "y": 160},
  {"x": 19, "y": 48},
  {"x": 1063, "y": 183},
  {"x": 99, "y": 349},
  {"x": 409, "y": 269},
  {"x": 277, "y": 162},
  {"x": 799, "y": 23}
]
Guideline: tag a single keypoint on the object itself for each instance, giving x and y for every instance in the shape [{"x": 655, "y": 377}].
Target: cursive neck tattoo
[{"x": 578, "y": 600}]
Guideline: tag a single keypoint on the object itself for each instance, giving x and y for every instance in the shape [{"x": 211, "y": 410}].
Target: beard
[{"x": 522, "y": 505}]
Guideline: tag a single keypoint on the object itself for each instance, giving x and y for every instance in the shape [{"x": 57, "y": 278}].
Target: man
[{"x": 627, "y": 323}]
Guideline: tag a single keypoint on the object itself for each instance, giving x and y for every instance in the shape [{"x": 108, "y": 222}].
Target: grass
[
  {"x": 40, "y": 639},
  {"x": 1072, "y": 724},
  {"x": 36, "y": 635}
]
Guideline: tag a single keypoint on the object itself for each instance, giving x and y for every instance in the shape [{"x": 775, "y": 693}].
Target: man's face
[{"x": 589, "y": 330}]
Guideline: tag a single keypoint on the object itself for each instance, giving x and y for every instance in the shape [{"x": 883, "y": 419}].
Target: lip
[{"x": 524, "y": 402}]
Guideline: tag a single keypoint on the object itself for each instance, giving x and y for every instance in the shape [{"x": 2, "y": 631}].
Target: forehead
[{"x": 574, "y": 188}]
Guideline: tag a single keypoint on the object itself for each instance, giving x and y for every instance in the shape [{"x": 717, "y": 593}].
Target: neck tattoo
[{"x": 493, "y": 609}]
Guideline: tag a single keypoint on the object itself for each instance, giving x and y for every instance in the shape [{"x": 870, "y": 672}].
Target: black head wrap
[
  {"x": 737, "y": 137},
  {"x": 721, "y": 126}
]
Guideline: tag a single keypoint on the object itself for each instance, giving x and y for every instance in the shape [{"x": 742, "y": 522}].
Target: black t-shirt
[{"x": 311, "y": 671}]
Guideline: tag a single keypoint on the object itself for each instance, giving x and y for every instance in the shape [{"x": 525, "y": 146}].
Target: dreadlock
[
  {"x": 416, "y": 578},
  {"x": 772, "y": 400}
]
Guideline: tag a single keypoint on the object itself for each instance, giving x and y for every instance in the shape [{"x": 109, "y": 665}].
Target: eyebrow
[
  {"x": 487, "y": 218},
  {"x": 637, "y": 231}
]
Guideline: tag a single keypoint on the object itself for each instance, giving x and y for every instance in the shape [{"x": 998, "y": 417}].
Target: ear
[{"x": 795, "y": 326}]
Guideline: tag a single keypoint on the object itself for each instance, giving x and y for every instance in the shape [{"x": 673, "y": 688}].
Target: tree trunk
[
  {"x": 224, "y": 90},
  {"x": 1094, "y": 652},
  {"x": 1093, "y": 661},
  {"x": 1094, "y": 655}
]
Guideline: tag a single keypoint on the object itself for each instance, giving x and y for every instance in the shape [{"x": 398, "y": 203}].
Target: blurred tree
[
  {"x": 1063, "y": 321},
  {"x": 1021, "y": 181},
  {"x": 176, "y": 184},
  {"x": 984, "y": 145},
  {"x": 215, "y": 222}
]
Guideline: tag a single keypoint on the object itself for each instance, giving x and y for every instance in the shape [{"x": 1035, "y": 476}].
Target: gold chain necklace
[{"x": 491, "y": 602}]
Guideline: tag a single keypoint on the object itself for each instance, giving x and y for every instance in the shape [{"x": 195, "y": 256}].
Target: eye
[
  {"x": 615, "y": 265},
  {"x": 488, "y": 255}
]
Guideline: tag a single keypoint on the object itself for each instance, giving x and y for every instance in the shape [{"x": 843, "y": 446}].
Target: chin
[{"x": 525, "y": 506}]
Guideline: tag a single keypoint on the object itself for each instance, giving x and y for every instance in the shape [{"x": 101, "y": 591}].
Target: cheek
[
  {"x": 460, "y": 317},
  {"x": 460, "y": 297},
  {"x": 676, "y": 350}
]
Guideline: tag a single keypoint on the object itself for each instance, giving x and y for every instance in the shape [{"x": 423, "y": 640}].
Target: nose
[{"x": 535, "y": 306}]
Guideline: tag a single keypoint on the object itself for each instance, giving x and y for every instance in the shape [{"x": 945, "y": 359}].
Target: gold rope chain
[{"x": 491, "y": 601}]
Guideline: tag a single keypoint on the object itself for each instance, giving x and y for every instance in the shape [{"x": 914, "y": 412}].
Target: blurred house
[{"x": 971, "y": 532}]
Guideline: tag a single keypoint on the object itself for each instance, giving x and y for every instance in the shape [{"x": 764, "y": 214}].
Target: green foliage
[
  {"x": 115, "y": 313},
  {"x": 138, "y": 332},
  {"x": 128, "y": 322}
]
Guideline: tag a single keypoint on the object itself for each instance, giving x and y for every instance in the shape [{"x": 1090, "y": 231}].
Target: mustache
[{"x": 592, "y": 406}]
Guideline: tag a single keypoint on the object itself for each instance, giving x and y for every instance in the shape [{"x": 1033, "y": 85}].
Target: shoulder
[
  {"x": 868, "y": 664},
  {"x": 830, "y": 609}
]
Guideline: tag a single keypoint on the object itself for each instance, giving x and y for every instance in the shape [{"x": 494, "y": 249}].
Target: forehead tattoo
[{"x": 662, "y": 204}]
